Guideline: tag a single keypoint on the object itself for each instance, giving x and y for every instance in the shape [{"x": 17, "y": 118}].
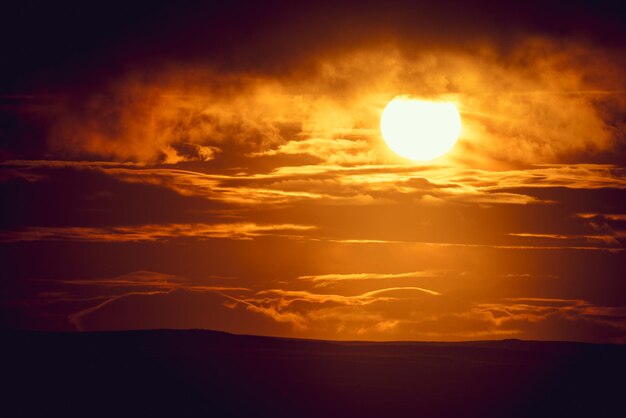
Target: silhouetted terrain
[{"x": 205, "y": 373}]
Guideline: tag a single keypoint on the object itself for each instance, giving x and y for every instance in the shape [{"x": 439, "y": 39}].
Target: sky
[{"x": 221, "y": 166}]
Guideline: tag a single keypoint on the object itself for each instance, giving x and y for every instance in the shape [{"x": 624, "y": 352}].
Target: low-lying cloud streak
[
  {"x": 242, "y": 231},
  {"x": 383, "y": 313}
]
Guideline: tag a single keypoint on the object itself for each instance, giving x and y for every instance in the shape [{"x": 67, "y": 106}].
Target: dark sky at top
[{"x": 51, "y": 46}]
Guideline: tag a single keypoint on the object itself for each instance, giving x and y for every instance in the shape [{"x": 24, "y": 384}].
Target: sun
[{"x": 420, "y": 130}]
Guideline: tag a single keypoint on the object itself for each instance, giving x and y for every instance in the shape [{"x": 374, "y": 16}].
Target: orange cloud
[
  {"x": 324, "y": 280},
  {"x": 108, "y": 291},
  {"x": 544, "y": 101},
  {"x": 238, "y": 231},
  {"x": 540, "y": 309}
]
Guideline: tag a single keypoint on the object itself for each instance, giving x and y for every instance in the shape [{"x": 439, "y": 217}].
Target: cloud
[
  {"x": 333, "y": 151},
  {"x": 76, "y": 318},
  {"x": 276, "y": 304},
  {"x": 608, "y": 216},
  {"x": 409, "y": 203},
  {"x": 139, "y": 233},
  {"x": 111, "y": 290},
  {"x": 393, "y": 289},
  {"x": 324, "y": 280},
  {"x": 153, "y": 280},
  {"x": 358, "y": 185},
  {"x": 612, "y": 239},
  {"x": 150, "y": 299},
  {"x": 532, "y": 310},
  {"x": 182, "y": 152},
  {"x": 286, "y": 305},
  {"x": 542, "y": 101}
]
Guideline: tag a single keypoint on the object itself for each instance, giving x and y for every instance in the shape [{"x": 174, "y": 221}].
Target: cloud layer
[{"x": 195, "y": 174}]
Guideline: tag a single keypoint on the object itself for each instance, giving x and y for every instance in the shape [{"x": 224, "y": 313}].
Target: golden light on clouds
[
  {"x": 541, "y": 102},
  {"x": 298, "y": 185},
  {"x": 420, "y": 130}
]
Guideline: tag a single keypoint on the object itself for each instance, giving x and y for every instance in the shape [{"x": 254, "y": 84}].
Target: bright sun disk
[{"x": 420, "y": 130}]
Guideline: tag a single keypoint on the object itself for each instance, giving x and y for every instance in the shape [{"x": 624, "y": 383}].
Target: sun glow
[{"x": 420, "y": 130}]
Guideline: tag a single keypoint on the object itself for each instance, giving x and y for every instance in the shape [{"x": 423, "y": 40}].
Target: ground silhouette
[{"x": 213, "y": 374}]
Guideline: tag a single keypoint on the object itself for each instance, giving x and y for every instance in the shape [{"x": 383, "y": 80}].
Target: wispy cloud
[
  {"x": 237, "y": 231},
  {"x": 364, "y": 184},
  {"x": 76, "y": 318},
  {"x": 540, "y": 309},
  {"x": 332, "y": 151},
  {"x": 279, "y": 304},
  {"x": 154, "y": 280},
  {"x": 323, "y": 280},
  {"x": 98, "y": 293},
  {"x": 607, "y": 239},
  {"x": 609, "y": 216}
]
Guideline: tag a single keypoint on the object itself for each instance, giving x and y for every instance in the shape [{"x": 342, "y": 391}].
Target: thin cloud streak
[
  {"x": 324, "y": 280},
  {"x": 147, "y": 233},
  {"x": 541, "y": 309},
  {"x": 368, "y": 184},
  {"x": 140, "y": 283}
]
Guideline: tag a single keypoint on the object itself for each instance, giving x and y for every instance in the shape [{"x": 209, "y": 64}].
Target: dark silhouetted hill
[{"x": 214, "y": 374}]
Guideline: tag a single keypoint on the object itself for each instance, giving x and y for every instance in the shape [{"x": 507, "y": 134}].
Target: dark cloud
[
  {"x": 88, "y": 196},
  {"x": 71, "y": 41}
]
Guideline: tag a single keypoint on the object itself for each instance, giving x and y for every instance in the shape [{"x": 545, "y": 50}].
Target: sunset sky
[{"x": 221, "y": 166}]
